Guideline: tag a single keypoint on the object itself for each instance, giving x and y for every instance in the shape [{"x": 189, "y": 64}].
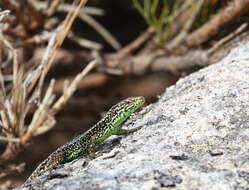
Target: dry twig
[
  {"x": 15, "y": 104},
  {"x": 187, "y": 26},
  {"x": 210, "y": 28},
  {"x": 153, "y": 59}
]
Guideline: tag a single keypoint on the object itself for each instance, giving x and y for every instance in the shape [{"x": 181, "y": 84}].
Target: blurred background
[{"x": 141, "y": 48}]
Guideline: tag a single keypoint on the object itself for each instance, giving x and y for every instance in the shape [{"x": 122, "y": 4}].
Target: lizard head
[{"x": 121, "y": 111}]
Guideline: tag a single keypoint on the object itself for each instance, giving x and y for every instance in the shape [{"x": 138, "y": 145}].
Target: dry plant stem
[
  {"x": 9, "y": 46},
  {"x": 136, "y": 43},
  {"x": 115, "y": 59},
  {"x": 158, "y": 61},
  {"x": 43, "y": 65},
  {"x": 5, "y": 42},
  {"x": 85, "y": 42},
  {"x": 4, "y": 14},
  {"x": 18, "y": 98},
  {"x": 9, "y": 139},
  {"x": 233, "y": 10},
  {"x": 183, "y": 34},
  {"x": 69, "y": 21},
  {"x": 61, "y": 36},
  {"x": 94, "y": 11},
  {"x": 227, "y": 38},
  {"x": 71, "y": 89},
  {"x": 48, "y": 124},
  {"x": 40, "y": 115},
  {"x": 180, "y": 16},
  {"x": 7, "y": 115},
  {"x": 162, "y": 62},
  {"x": 10, "y": 168},
  {"x": 65, "y": 29},
  {"x": 66, "y": 8},
  {"x": 84, "y": 15},
  {"x": 37, "y": 39},
  {"x": 53, "y": 7},
  {"x": 34, "y": 74},
  {"x": 5, "y": 122},
  {"x": 12, "y": 116},
  {"x": 93, "y": 80},
  {"x": 184, "y": 7},
  {"x": 101, "y": 30},
  {"x": 2, "y": 88},
  {"x": 97, "y": 26},
  {"x": 43, "y": 119},
  {"x": 22, "y": 8},
  {"x": 180, "y": 63},
  {"x": 11, "y": 151}
]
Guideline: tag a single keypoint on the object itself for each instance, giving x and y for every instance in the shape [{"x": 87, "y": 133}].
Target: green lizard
[{"x": 86, "y": 142}]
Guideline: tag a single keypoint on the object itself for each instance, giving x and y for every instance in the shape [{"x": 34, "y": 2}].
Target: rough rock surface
[{"x": 195, "y": 137}]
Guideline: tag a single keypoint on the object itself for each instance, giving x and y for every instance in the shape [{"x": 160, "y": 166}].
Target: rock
[{"x": 195, "y": 137}]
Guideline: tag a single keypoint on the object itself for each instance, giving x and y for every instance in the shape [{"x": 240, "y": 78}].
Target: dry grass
[{"x": 21, "y": 94}]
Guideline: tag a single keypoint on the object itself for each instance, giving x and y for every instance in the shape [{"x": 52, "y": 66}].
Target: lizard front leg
[{"x": 91, "y": 148}]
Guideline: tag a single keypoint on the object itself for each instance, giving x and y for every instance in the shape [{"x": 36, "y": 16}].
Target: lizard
[{"x": 86, "y": 142}]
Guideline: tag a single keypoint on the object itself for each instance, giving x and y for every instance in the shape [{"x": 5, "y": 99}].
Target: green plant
[{"x": 157, "y": 17}]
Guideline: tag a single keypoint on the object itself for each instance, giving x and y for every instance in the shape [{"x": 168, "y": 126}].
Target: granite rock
[{"x": 195, "y": 137}]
